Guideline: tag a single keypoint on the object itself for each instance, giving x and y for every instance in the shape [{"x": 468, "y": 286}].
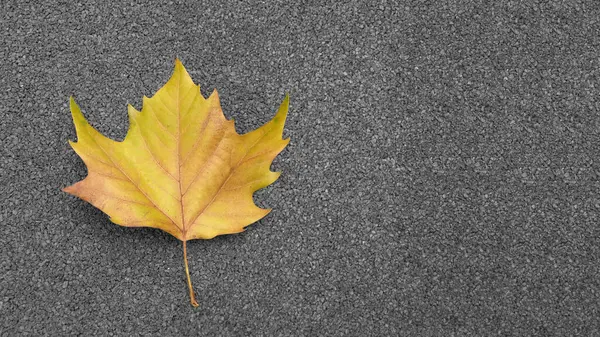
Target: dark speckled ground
[{"x": 442, "y": 179}]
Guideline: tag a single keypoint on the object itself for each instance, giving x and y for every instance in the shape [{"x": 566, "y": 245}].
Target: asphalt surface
[{"x": 443, "y": 176}]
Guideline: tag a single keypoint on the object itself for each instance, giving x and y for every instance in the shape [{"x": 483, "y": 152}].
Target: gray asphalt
[{"x": 442, "y": 179}]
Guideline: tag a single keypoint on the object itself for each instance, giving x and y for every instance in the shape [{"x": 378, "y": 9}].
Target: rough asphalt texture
[{"x": 443, "y": 176}]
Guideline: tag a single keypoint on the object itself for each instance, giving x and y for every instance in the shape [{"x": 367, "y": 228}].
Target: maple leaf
[{"x": 181, "y": 168}]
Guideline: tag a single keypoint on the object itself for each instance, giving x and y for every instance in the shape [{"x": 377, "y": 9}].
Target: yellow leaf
[{"x": 181, "y": 168}]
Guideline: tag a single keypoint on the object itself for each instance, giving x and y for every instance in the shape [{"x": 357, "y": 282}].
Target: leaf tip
[
  {"x": 282, "y": 112},
  {"x": 285, "y": 105},
  {"x": 267, "y": 211},
  {"x": 179, "y": 68},
  {"x": 132, "y": 112},
  {"x": 287, "y": 141},
  {"x": 72, "y": 104},
  {"x": 78, "y": 118},
  {"x": 214, "y": 97},
  {"x": 69, "y": 189}
]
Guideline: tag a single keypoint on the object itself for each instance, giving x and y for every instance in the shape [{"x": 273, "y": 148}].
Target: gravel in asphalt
[{"x": 442, "y": 177}]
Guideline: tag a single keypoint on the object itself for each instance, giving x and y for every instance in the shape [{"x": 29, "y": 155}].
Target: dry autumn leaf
[{"x": 181, "y": 168}]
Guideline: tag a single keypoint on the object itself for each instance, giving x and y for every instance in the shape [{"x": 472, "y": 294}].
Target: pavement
[{"x": 442, "y": 177}]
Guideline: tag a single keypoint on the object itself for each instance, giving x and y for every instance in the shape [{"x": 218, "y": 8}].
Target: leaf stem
[{"x": 187, "y": 273}]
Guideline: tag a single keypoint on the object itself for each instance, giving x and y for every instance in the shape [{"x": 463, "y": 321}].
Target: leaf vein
[
  {"x": 159, "y": 99},
  {"x": 111, "y": 196},
  {"x": 204, "y": 164},
  {"x": 228, "y": 177},
  {"x": 141, "y": 190},
  {"x": 160, "y": 123},
  {"x": 154, "y": 157},
  {"x": 197, "y": 142},
  {"x": 111, "y": 177}
]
